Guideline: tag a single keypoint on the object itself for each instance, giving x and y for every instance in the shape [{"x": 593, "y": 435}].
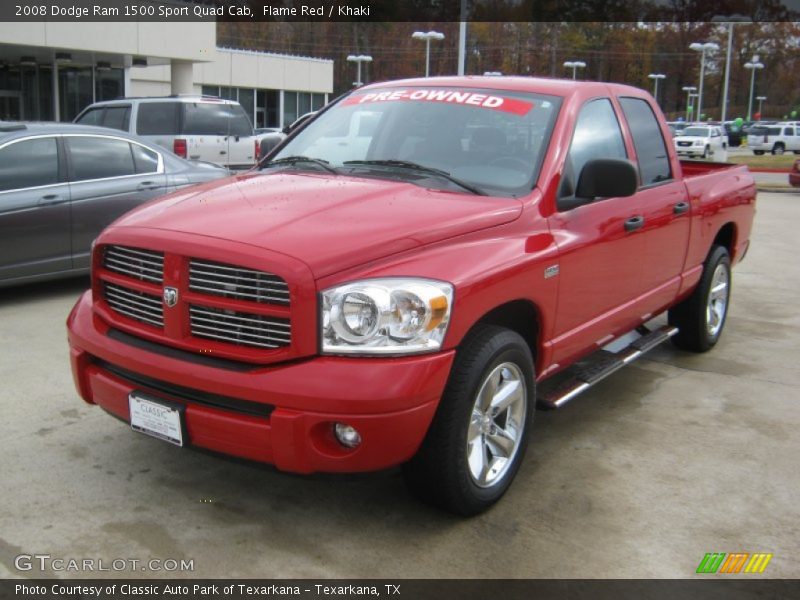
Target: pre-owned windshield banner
[{"x": 447, "y": 96}]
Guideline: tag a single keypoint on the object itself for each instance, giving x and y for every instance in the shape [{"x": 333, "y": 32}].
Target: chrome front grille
[
  {"x": 144, "y": 265},
  {"x": 237, "y": 283},
  {"x": 243, "y": 329},
  {"x": 133, "y": 304}
]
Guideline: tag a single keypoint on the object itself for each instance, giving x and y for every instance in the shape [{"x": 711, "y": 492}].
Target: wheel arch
[
  {"x": 522, "y": 316},
  {"x": 726, "y": 237}
]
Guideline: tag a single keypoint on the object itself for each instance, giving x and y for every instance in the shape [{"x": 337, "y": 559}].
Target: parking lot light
[
  {"x": 760, "y": 106},
  {"x": 427, "y": 36},
  {"x": 753, "y": 66},
  {"x": 574, "y": 65},
  {"x": 689, "y": 89},
  {"x": 358, "y": 59},
  {"x": 730, "y": 21},
  {"x": 655, "y": 77},
  {"x": 702, "y": 47}
]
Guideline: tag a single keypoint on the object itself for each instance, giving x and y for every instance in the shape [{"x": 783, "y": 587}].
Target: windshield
[
  {"x": 696, "y": 131},
  {"x": 492, "y": 141}
]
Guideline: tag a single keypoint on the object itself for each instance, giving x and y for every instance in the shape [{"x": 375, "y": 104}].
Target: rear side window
[
  {"x": 211, "y": 118},
  {"x": 146, "y": 160},
  {"x": 93, "y": 116},
  {"x": 29, "y": 163},
  {"x": 158, "y": 118},
  {"x": 99, "y": 158},
  {"x": 117, "y": 117},
  {"x": 648, "y": 141}
]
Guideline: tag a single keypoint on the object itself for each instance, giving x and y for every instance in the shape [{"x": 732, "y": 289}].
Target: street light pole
[
  {"x": 702, "y": 47},
  {"x": 574, "y": 65},
  {"x": 688, "y": 89},
  {"x": 430, "y": 35},
  {"x": 731, "y": 21},
  {"x": 358, "y": 59},
  {"x": 753, "y": 66},
  {"x": 655, "y": 77},
  {"x": 760, "y": 106}
]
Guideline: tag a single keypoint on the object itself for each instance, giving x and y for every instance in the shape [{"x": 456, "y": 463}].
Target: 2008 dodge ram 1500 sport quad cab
[{"x": 394, "y": 280}]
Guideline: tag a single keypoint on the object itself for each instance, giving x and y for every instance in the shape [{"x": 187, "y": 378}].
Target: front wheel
[
  {"x": 701, "y": 317},
  {"x": 779, "y": 149},
  {"x": 758, "y": 152},
  {"x": 705, "y": 152},
  {"x": 479, "y": 434}
]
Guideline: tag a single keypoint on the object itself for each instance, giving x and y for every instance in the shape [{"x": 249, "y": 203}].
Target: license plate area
[{"x": 157, "y": 418}]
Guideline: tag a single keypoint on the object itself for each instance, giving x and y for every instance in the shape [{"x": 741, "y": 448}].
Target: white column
[{"x": 182, "y": 77}]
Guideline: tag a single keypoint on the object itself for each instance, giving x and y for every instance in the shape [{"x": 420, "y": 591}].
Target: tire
[
  {"x": 464, "y": 434},
  {"x": 778, "y": 149},
  {"x": 700, "y": 318},
  {"x": 796, "y": 151},
  {"x": 705, "y": 152},
  {"x": 758, "y": 152}
]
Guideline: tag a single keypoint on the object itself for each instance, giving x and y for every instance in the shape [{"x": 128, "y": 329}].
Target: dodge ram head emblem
[{"x": 170, "y": 296}]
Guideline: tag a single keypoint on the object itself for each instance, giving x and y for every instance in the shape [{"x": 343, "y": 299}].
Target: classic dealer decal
[{"x": 511, "y": 105}]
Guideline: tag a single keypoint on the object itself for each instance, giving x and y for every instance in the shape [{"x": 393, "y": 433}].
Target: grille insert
[
  {"x": 144, "y": 265},
  {"x": 237, "y": 283},
  {"x": 243, "y": 329},
  {"x": 136, "y": 305}
]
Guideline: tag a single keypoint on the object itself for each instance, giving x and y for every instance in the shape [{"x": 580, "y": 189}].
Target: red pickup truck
[{"x": 393, "y": 282}]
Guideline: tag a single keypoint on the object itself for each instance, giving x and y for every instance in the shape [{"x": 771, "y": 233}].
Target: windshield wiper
[
  {"x": 293, "y": 160},
  {"x": 405, "y": 164}
]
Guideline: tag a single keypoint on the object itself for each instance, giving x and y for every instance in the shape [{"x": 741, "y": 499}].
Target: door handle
[
  {"x": 680, "y": 208},
  {"x": 147, "y": 185},
  {"x": 634, "y": 223},
  {"x": 50, "y": 200},
  {"x": 223, "y": 152}
]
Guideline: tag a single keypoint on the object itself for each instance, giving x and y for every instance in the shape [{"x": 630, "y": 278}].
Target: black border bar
[{"x": 397, "y": 10}]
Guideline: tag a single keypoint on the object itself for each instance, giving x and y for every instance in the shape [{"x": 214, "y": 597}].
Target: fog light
[{"x": 346, "y": 435}]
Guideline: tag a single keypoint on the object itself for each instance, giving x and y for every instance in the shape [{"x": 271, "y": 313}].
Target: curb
[{"x": 777, "y": 189}]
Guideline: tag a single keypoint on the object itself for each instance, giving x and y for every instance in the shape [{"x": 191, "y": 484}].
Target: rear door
[
  {"x": 34, "y": 209},
  {"x": 664, "y": 207},
  {"x": 108, "y": 177}
]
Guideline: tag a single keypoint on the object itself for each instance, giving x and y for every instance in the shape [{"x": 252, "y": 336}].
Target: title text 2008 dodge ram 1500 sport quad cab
[{"x": 393, "y": 282}]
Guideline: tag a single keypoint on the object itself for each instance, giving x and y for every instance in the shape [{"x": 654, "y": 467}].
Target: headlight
[
  {"x": 698, "y": 142},
  {"x": 386, "y": 316}
]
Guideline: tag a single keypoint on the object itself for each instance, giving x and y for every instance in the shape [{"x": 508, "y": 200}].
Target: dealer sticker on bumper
[{"x": 156, "y": 419}]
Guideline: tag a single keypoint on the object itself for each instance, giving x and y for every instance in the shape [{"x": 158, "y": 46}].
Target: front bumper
[{"x": 390, "y": 401}]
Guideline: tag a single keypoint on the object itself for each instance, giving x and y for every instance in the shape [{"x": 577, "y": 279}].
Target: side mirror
[
  {"x": 602, "y": 178},
  {"x": 607, "y": 178}
]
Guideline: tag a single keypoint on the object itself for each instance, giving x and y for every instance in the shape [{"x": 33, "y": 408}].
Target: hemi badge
[{"x": 551, "y": 271}]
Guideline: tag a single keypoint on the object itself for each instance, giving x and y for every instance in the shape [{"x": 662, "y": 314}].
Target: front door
[{"x": 599, "y": 243}]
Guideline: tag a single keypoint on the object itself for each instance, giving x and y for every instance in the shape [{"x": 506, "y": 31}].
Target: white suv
[
  {"x": 194, "y": 127},
  {"x": 700, "y": 140},
  {"x": 777, "y": 138}
]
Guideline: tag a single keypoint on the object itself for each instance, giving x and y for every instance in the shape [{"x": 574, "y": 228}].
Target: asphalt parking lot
[{"x": 674, "y": 457}]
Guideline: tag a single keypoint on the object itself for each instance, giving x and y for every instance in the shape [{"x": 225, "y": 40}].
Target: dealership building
[{"x": 53, "y": 70}]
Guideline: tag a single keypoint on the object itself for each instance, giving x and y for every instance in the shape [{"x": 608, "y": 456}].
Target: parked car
[
  {"x": 193, "y": 127},
  {"x": 777, "y": 139},
  {"x": 794, "y": 174},
  {"x": 61, "y": 184},
  {"x": 399, "y": 302},
  {"x": 700, "y": 140}
]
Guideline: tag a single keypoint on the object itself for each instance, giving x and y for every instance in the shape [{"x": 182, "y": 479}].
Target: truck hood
[{"x": 329, "y": 222}]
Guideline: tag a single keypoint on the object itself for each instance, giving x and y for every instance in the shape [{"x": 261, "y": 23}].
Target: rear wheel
[
  {"x": 778, "y": 148},
  {"x": 701, "y": 317},
  {"x": 758, "y": 152},
  {"x": 478, "y": 437}
]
